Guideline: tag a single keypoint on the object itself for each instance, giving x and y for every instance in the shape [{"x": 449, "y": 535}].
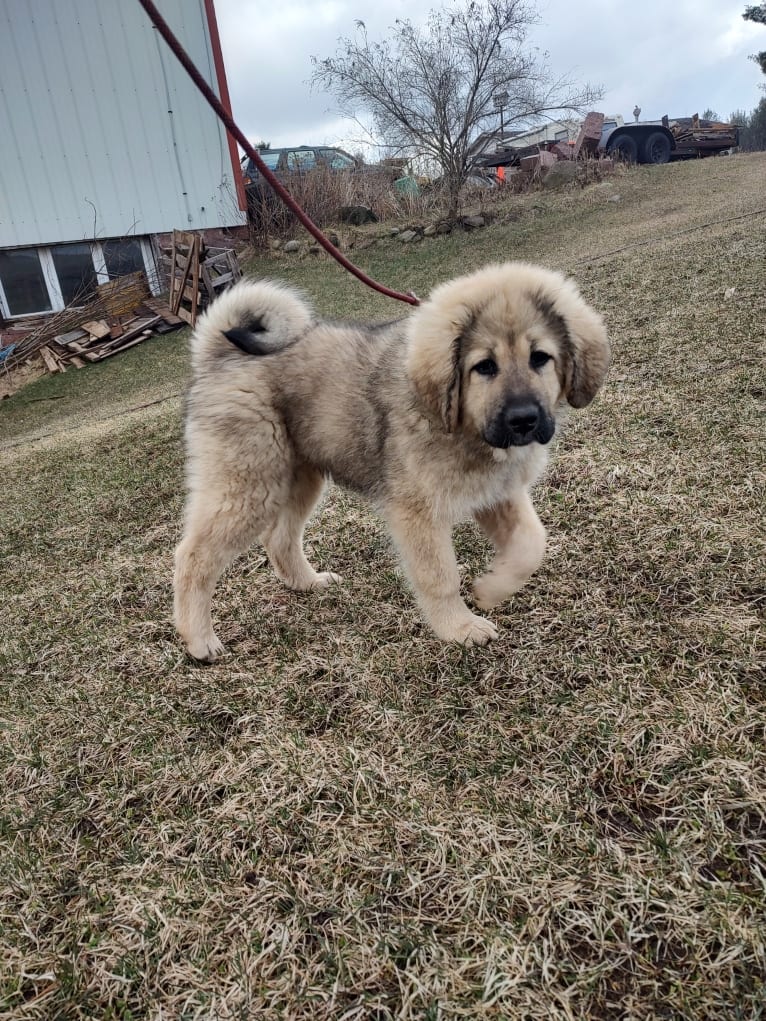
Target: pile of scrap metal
[{"x": 544, "y": 154}]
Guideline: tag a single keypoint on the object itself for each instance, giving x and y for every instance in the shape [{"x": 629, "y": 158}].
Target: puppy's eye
[
  {"x": 487, "y": 367},
  {"x": 539, "y": 358}
]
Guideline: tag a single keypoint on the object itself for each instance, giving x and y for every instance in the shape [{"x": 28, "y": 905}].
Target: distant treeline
[{"x": 752, "y": 127}]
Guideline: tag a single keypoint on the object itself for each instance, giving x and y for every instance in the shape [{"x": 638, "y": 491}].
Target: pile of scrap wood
[
  {"x": 122, "y": 313},
  {"x": 98, "y": 339},
  {"x": 119, "y": 315},
  {"x": 701, "y": 135}
]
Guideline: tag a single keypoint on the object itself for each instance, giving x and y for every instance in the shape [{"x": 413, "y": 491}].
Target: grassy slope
[{"x": 345, "y": 818}]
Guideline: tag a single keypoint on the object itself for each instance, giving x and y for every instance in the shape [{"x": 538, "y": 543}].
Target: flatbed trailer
[{"x": 669, "y": 139}]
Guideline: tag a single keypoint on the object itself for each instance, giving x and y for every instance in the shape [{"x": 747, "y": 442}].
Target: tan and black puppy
[{"x": 436, "y": 418}]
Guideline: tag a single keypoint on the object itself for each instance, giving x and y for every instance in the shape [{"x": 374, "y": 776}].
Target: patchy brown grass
[{"x": 346, "y": 819}]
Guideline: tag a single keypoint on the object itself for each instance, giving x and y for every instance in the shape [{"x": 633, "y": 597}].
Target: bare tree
[{"x": 431, "y": 90}]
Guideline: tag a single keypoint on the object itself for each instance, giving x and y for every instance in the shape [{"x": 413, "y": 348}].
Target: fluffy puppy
[{"x": 435, "y": 418}]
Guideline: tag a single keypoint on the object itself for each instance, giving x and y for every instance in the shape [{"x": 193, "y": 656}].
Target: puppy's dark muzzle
[{"x": 518, "y": 424}]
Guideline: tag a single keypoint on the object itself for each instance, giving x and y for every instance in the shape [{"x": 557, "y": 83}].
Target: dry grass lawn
[{"x": 345, "y": 819}]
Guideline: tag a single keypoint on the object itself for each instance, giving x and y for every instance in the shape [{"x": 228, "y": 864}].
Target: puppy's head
[{"x": 493, "y": 353}]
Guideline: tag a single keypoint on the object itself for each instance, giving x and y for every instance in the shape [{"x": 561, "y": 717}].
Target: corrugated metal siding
[{"x": 102, "y": 133}]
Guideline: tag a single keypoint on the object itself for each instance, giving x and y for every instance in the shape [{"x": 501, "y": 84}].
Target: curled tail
[{"x": 257, "y": 316}]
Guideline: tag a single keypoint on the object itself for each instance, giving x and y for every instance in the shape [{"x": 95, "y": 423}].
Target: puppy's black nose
[{"x": 522, "y": 420}]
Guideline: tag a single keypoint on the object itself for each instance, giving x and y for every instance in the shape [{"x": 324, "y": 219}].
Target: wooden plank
[
  {"x": 214, "y": 283},
  {"x": 141, "y": 326},
  {"x": 163, "y": 326},
  {"x": 186, "y": 237},
  {"x": 177, "y": 284},
  {"x": 162, "y": 310},
  {"x": 171, "y": 293},
  {"x": 220, "y": 271},
  {"x": 71, "y": 335},
  {"x": 109, "y": 351},
  {"x": 190, "y": 296},
  {"x": 76, "y": 346},
  {"x": 195, "y": 287},
  {"x": 97, "y": 328},
  {"x": 52, "y": 364}
]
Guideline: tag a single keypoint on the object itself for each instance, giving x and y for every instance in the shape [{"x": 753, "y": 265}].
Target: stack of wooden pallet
[{"x": 197, "y": 274}]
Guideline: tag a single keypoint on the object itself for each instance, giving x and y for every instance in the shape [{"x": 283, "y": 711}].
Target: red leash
[{"x": 162, "y": 27}]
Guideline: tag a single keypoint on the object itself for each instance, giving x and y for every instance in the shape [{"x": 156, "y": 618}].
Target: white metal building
[{"x": 104, "y": 143}]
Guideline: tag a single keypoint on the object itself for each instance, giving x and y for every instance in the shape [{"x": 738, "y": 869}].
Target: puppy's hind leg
[
  {"x": 284, "y": 538},
  {"x": 518, "y": 536}
]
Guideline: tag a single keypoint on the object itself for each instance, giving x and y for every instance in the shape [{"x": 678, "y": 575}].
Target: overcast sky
[{"x": 668, "y": 56}]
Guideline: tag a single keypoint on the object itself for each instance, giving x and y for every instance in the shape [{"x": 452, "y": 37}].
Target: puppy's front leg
[
  {"x": 518, "y": 536},
  {"x": 426, "y": 549}
]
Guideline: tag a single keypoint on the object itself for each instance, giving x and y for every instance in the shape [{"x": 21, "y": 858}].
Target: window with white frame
[
  {"x": 75, "y": 272},
  {"x": 34, "y": 281},
  {"x": 23, "y": 282},
  {"x": 122, "y": 257}
]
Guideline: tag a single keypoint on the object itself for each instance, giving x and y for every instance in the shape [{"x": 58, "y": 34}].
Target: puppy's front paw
[
  {"x": 325, "y": 579},
  {"x": 479, "y": 631},
  {"x": 490, "y": 589},
  {"x": 470, "y": 630},
  {"x": 206, "y": 650}
]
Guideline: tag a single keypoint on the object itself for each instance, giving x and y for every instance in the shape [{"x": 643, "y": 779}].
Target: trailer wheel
[
  {"x": 624, "y": 147},
  {"x": 657, "y": 148}
]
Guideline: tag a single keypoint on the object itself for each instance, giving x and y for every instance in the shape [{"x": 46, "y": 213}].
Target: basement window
[
  {"x": 75, "y": 271},
  {"x": 23, "y": 283},
  {"x": 47, "y": 279},
  {"x": 122, "y": 257}
]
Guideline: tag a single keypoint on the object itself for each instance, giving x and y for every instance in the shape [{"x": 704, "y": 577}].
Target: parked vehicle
[
  {"x": 665, "y": 140},
  {"x": 299, "y": 159}
]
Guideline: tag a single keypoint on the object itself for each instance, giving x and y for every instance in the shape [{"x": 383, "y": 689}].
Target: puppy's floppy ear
[
  {"x": 443, "y": 390},
  {"x": 435, "y": 365},
  {"x": 582, "y": 335}
]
